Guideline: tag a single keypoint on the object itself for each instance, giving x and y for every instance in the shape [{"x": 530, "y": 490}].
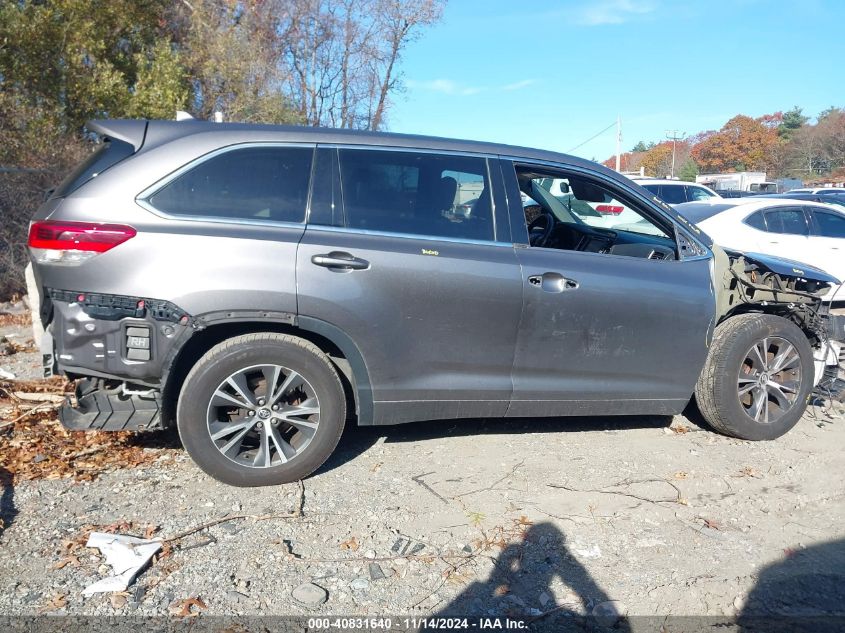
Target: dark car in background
[
  {"x": 736, "y": 193},
  {"x": 836, "y": 198},
  {"x": 257, "y": 286}
]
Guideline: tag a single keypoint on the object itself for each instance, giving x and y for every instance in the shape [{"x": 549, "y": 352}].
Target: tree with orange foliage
[
  {"x": 628, "y": 161},
  {"x": 742, "y": 144}
]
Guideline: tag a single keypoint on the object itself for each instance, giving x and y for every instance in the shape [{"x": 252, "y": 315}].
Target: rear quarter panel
[{"x": 198, "y": 265}]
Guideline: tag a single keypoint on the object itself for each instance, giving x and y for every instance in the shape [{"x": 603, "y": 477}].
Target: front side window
[
  {"x": 426, "y": 194},
  {"x": 252, "y": 183},
  {"x": 789, "y": 221},
  {"x": 829, "y": 224},
  {"x": 589, "y": 217}
]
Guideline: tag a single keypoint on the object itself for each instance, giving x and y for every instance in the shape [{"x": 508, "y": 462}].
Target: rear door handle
[
  {"x": 340, "y": 260},
  {"x": 552, "y": 282}
]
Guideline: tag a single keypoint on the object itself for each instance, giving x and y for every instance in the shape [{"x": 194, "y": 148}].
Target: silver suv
[{"x": 257, "y": 286}]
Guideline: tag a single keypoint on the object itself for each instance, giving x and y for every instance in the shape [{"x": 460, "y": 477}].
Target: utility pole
[
  {"x": 618, "y": 142},
  {"x": 674, "y": 137}
]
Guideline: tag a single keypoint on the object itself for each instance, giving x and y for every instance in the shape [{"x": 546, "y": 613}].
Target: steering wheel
[{"x": 540, "y": 229}]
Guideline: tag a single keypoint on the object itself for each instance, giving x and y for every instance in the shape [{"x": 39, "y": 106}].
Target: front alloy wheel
[
  {"x": 757, "y": 377},
  {"x": 769, "y": 379}
]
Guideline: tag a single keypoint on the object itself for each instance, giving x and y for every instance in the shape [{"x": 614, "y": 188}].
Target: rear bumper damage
[
  {"x": 100, "y": 408},
  {"x": 117, "y": 349},
  {"x": 109, "y": 336}
]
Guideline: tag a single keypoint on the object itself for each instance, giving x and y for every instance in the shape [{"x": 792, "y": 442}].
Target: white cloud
[
  {"x": 444, "y": 86},
  {"x": 450, "y": 87},
  {"x": 599, "y": 12},
  {"x": 519, "y": 85}
]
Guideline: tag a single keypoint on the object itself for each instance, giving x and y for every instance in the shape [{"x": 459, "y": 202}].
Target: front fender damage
[{"x": 750, "y": 282}]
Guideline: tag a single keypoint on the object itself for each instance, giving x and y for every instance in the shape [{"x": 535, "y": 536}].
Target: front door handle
[
  {"x": 552, "y": 282},
  {"x": 340, "y": 260}
]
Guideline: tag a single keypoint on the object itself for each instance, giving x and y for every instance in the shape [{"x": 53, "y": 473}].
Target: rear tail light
[
  {"x": 53, "y": 242},
  {"x": 609, "y": 209}
]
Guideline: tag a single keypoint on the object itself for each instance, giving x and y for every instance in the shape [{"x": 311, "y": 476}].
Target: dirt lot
[{"x": 544, "y": 518}]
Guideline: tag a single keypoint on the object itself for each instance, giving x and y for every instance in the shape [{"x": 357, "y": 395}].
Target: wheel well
[
  {"x": 205, "y": 339},
  {"x": 803, "y": 318}
]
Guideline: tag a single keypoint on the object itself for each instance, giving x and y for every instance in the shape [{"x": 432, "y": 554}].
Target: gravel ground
[{"x": 647, "y": 516}]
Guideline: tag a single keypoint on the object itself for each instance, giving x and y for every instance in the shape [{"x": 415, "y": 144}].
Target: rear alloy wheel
[
  {"x": 262, "y": 416},
  {"x": 757, "y": 377},
  {"x": 261, "y": 409}
]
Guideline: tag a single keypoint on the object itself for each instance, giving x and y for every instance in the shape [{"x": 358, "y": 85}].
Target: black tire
[
  {"x": 717, "y": 392},
  {"x": 249, "y": 350}
]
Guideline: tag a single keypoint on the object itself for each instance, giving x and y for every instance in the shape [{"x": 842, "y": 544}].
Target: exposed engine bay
[{"x": 749, "y": 282}]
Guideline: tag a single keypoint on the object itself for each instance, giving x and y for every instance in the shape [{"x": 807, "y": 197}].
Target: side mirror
[{"x": 564, "y": 187}]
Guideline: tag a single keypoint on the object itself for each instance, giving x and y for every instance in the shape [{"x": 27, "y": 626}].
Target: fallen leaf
[
  {"x": 58, "y": 601},
  {"x": 680, "y": 475},
  {"x": 150, "y": 531},
  {"x": 118, "y": 600},
  {"x": 182, "y": 608},
  {"x": 67, "y": 560},
  {"x": 710, "y": 523},
  {"x": 501, "y": 590},
  {"x": 680, "y": 430},
  {"x": 350, "y": 544}
]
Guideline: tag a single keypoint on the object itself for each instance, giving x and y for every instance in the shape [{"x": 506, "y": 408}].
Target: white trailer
[{"x": 754, "y": 181}]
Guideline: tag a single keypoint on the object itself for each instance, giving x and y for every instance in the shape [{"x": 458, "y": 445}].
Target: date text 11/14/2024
[{"x": 416, "y": 624}]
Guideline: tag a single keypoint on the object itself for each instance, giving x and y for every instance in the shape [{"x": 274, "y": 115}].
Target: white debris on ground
[{"x": 127, "y": 555}]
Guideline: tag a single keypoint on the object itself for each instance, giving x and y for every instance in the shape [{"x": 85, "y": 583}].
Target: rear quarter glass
[{"x": 107, "y": 155}]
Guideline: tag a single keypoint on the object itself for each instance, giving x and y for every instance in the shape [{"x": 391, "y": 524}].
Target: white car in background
[
  {"x": 807, "y": 232},
  {"x": 676, "y": 191}
]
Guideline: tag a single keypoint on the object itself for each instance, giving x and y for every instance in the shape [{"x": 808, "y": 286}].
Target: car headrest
[{"x": 446, "y": 191}]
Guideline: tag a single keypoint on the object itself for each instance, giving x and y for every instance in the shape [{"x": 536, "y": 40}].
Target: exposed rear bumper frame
[{"x": 100, "y": 409}]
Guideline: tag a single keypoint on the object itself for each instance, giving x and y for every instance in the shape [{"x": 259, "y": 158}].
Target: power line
[{"x": 592, "y": 137}]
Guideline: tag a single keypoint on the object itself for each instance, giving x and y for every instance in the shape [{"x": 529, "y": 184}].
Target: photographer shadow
[
  {"x": 520, "y": 587},
  {"x": 803, "y": 592}
]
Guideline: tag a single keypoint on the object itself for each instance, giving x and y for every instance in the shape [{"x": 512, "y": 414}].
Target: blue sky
[{"x": 553, "y": 74}]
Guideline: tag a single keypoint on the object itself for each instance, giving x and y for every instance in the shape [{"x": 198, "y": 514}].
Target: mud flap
[{"x": 110, "y": 410}]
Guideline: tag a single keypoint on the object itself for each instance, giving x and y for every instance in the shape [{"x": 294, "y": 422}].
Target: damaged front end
[
  {"x": 117, "y": 349},
  {"x": 752, "y": 282}
]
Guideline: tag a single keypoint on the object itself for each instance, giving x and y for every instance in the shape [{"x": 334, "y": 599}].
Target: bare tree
[
  {"x": 341, "y": 56},
  {"x": 230, "y": 50}
]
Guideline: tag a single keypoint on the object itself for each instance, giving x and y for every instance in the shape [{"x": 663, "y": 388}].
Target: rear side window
[
  {"x": 697, "y": 193},
  {"x": 757, "y": 221},
  {"x": 829, "y": 224},
  {"x": 438, "y": 195},
  {"x": 107, "y": 155},
  {"x": 790, "y": 221},
  {"x": 673, "y": 194},
  {"x": 253, "y": 183}
]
